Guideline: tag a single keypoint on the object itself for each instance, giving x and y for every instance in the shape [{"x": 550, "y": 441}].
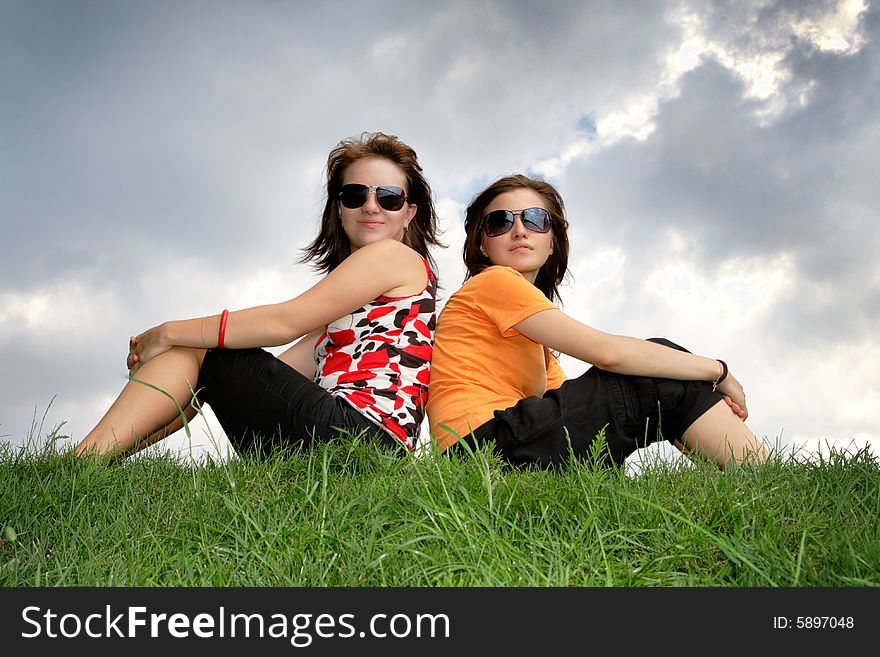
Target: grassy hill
[{"x": 350, "y": 514}]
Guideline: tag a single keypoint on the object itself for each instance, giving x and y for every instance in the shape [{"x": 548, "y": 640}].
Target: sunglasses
[
  {"x": 498, "y": 222},
  {"x": 389, "y": 197}
]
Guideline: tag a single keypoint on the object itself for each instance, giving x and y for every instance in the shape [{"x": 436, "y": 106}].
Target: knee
[
  {"x": 193, "y": 354},
  {"x": 668, "y": 343}
]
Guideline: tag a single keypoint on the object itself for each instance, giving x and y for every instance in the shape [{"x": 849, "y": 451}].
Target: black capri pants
[
  {"x": 262, "y": 403},
  {"x": 633, "y": 411}
]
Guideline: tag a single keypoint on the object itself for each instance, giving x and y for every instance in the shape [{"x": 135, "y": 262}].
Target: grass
[{"x": 350, "y": 514}]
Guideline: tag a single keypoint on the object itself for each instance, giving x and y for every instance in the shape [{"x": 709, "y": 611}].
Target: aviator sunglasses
[
  {"x": 389, "y": 197},
  {"x": 498, "y": 222}
]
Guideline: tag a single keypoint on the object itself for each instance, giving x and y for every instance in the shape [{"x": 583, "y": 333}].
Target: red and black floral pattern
[{"x": 379, "y": 359}]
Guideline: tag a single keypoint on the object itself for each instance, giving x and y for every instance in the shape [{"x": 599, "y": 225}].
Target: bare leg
[
  {"x": 141, "y": 413},
  {"x": 175, "y": 425},
  {"x": 718, "y": 434}
]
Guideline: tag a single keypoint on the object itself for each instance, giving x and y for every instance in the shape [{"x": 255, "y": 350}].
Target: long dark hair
[
  {"x": 332, "y": 246},
  {"x": 553, "y": 271}
]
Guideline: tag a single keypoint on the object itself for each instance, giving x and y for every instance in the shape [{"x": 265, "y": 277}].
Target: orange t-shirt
[{"x": 480, "y": 363}]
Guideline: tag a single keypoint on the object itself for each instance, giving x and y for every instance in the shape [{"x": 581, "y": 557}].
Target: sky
[{"x": 163, "y": 160}]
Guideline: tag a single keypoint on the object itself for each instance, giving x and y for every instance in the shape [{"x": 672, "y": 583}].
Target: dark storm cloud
[
  {"x": 137, "y": 128},
  {"x": 159, "y": 153},
  {"x": 800, "y": 185}
]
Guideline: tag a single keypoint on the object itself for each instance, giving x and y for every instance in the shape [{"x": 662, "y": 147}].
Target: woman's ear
[{"x": 410, "y": 213}]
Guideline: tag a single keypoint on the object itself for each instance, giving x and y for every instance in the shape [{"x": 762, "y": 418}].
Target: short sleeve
[{"x": 507, "y": 298}]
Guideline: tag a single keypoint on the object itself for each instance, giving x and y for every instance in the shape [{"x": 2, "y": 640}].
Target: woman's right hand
[
  {"x": 132, "y": 359},
  {"x": 145, "y": 346}
]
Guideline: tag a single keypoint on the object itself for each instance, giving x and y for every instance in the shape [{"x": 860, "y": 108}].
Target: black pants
[
  {"x": 632, "y": 411},
  {"x": 263, "y": 403}
]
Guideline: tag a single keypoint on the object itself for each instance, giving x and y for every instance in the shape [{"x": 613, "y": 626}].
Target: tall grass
[{"x": 351, "y": 514}]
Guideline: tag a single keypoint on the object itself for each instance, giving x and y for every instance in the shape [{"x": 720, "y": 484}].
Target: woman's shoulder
[
  {"x": 392, "y": 253},
  {"x": 390, "y": 248},
  {"x": 492, "y": 284},
  {"x": 498, "y": 275}
]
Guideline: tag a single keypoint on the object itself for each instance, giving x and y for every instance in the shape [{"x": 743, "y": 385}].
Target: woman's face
[
  {"x": 523, "y": 250},
  {"x": 370, "y": 222}
]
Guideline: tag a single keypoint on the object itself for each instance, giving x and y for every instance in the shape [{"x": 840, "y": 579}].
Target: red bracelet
[{"x": 221, "y": 338}]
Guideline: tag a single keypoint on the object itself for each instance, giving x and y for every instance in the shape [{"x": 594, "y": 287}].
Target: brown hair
[
  {"x": 553, "y": 271},
  {"x": 331, "y": 246}
]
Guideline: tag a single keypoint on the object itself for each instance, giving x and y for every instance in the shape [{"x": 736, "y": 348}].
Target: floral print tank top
[{"x": 378, "y": 359}]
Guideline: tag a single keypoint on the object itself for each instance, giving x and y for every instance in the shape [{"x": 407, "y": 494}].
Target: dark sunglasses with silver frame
[
  {"x": 389, "y": 197},
  {"x": 498, "y": 222}
]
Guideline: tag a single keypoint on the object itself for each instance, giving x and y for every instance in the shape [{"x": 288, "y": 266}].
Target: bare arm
[
  {"x": 624, "y": 355},
  {"x": 301, "y": 356},
  {"x": 360, "y": 278}
]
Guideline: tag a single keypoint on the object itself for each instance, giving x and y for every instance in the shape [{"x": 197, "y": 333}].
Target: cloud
[
  {"x": 716, "y": 160},
  {"x": 737, "y": 188}
]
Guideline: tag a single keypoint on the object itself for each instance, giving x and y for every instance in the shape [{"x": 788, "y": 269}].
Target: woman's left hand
[
  {"x": 737, "y": 410},
  {"x": 732, "y": 389},
  {"x": 143, "y": 347}
]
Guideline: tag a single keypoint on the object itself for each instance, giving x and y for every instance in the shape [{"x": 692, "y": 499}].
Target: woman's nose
[{"x": 371, "y": 205}]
